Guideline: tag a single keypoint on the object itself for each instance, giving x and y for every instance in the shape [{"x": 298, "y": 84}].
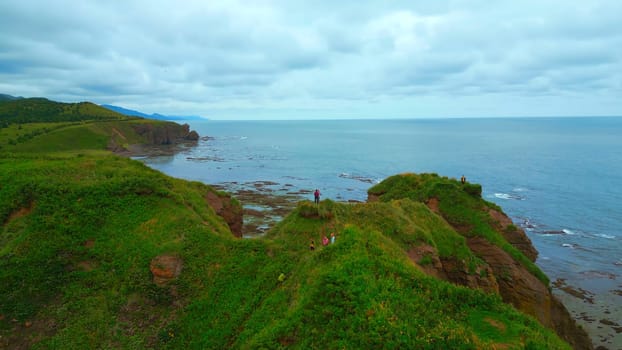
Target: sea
[{"x": 560, "y": 179}]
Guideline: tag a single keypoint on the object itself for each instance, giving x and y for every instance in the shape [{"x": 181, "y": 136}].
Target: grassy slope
[
  {"x": 38, "y": 125},
  {"x": 79, "y": 232},
  {"x": 38, "y": 110},
  {"x": 460, "y": 204},
  {"x": 361, "y": 292}
]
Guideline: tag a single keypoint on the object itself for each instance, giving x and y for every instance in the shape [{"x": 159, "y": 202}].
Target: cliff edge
[{"x": 490, "y": 234}]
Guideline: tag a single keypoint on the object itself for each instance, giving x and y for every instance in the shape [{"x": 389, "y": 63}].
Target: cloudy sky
[{"x": 319, "y": 59}]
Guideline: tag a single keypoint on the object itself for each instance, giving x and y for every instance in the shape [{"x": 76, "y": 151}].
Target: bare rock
[
  {"x": 517, "y": 286},
  {"x": 165, "y": 268},
  {"x": 224, "y": 205},
  {"x": 453, "y": 270},
  {"x": 513, "y": 234}
]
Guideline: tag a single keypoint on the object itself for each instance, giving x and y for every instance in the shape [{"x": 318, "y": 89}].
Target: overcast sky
[{"x": 319, "y": 59}]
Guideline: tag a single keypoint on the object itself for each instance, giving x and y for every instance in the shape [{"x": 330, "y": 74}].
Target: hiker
[
  {"x": 463, "y": 179},
  {"x": 312, "y": 245},
  {"x": 332, "y": 238},
  {"x": 316, "y": 194},
  {"x": 324, "y": 240}
]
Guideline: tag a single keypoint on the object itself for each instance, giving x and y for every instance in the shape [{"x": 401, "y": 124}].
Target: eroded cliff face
[
  {"x": 501, "y": 274},
  {"x": 510, "y": 279},
  {"x": 166, "y": 134},
  {"x": 224, "y": 205}
]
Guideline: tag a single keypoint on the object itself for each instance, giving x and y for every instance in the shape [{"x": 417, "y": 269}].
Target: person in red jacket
[{"x": 316, "y": 194}]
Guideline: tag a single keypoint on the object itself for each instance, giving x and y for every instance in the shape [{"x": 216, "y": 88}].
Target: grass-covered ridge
[
  {"x": 82, "y": 231},
  {"x": 78, "y": 236},
  {"x": 460, "y": 204},
  {"x": 41, "y": 110},
  {"x": 37, "y": 125}
]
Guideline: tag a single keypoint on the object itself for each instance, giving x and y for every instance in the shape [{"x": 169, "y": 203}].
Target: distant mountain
[
  {"x": 133, "y": 113},
  {"x": 5, "y": 97},
  {"x": 129, "y": 112}
]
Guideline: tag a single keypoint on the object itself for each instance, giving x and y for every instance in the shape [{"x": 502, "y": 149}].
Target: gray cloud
[{"x": 347, "y": 59}]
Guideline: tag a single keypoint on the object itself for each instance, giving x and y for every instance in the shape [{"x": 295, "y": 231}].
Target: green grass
[
  {"x": 80, "y": 227},
  {"x": 38, "y": 110},
  {"x": 79, "y": 233},
  {"x": 36, "y": 138},
  {"x": 460, "y": 204}
]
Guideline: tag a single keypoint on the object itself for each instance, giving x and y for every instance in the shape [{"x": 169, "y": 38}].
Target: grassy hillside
[
  {"x": 40, "y": 125},
  {"x": 41, "y": 110},
  {"x": 79, "y": 234},
  {"x": 460, "y": 204},
  {"x": 101, "y": 252},
  {"x": 30, "y": 126},
  {"x": 75, "y": 138}
]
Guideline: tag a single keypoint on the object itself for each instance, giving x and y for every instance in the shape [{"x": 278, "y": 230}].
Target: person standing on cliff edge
[
  {"x": 316, "y": 194},
  {"x": 463, "y": 179}
]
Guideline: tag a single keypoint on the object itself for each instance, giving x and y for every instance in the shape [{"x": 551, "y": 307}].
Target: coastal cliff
[
  {"x": 508, "y": 270},
  {"x": 166, "y": 133},
  {"x": 101, "y": 251},
  {"x": 149, "y": 137}
]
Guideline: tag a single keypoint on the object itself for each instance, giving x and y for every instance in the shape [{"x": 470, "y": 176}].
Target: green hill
[
  {"x": 81, "y": 234},
  {"x": 38, "y": 125},
  {"x": 41, "y": 110},
  {"x": 99, "y": 251}
]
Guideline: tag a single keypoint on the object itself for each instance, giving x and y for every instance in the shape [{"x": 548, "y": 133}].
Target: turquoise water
[{"x": 558, "y": 178}]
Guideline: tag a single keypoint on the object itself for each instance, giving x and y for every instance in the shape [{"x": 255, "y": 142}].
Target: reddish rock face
[
  {"x": 452, "y": 270},
  {"x": 508, "y": 277},
  {"x": 527, "y": 293},
  {"x": 517, "y": 285},
  {"x": 166, "y": 134},
  {"x": 165, "y": 268},
  {"x": 514, "y": 235},
  {"x": 225, "y": 208}
]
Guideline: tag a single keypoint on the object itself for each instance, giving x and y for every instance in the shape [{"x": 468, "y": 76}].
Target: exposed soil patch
[
  {"x": 165, "y": 268},
  {"x": 432, "y": 203},
  {"x": 500, "y": 326},
  {"x": 20, "y": 213}
]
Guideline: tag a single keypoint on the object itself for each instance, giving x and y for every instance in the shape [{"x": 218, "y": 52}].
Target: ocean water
[{"x": 558, "y": 178}]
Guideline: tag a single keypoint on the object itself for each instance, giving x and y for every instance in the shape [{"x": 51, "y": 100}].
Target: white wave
[
  {"x": 519, "y": 189},
  {"x": 503, "y": 196},
  {"x": 605, "y": 236},
  {"x": 567, "y": 245},
  {"x": 568, "y": 232},
  {"x": 243, "y": 137},
  {"x": 509, "y": 196}
]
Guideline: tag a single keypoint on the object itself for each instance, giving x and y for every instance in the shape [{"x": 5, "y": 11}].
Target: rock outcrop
[
  {"x": 513, "y": 234},
  {"x": 452, "y": 269},
  {"x": 166, "y": 134},
  {"x": 502, "y": 273},
  {"x": 165, "y": 268},
  {"x": 227, "y": 208},
  {"x": 517, "y": 286}
]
